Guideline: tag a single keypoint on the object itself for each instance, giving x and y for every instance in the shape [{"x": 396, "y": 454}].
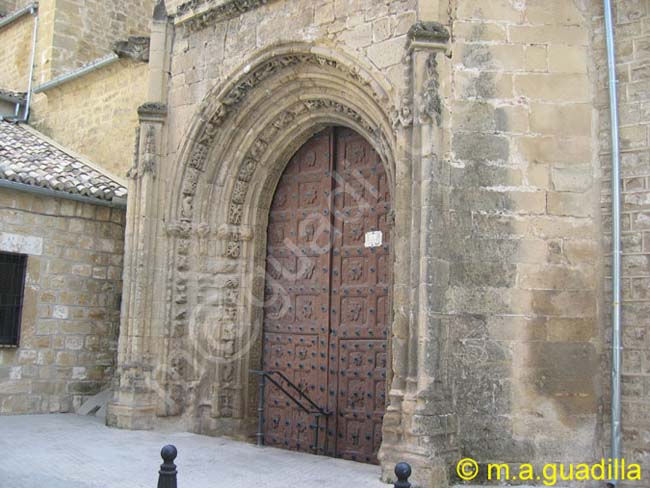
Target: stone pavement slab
[{"x": 71, "y": 451}]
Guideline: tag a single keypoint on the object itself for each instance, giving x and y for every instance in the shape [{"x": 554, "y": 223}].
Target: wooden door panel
[
  {"x": 327, "y": 308},
  {"x": 297, "y": 292},
  {"x": 356, "y": 332}
]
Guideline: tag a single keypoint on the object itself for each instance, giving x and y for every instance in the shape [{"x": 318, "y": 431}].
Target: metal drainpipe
[
  {"x": 34, "y": 12},
  {"x": 74, "y": 74},
  {"x": 616, "y": 242}
]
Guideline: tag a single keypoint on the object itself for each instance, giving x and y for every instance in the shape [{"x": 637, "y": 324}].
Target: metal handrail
[
  {"x": 317, "y": 410},
  {"x": 301, "y": 393}
]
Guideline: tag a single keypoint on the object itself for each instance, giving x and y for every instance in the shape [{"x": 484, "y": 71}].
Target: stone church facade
[
  {"x": 458, "y": 152},
  {"x": 485, "y": 120}
]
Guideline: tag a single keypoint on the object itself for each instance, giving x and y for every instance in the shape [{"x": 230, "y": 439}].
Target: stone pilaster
[
  {"x": 418, "y": 423},
  {"x": 137, "y": 386},
  {"x": 134, "y": 401}
]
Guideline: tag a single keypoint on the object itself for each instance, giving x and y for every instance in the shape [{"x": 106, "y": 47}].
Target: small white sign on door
[{"x": 373, "y": 238}]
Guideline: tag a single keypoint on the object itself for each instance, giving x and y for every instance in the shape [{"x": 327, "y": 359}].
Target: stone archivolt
[
  {"x": 217, "y": 108},
  {"x": 234, "y": 96}
]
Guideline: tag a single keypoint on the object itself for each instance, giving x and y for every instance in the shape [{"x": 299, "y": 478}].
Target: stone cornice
[{"x": 198, "y": 13}]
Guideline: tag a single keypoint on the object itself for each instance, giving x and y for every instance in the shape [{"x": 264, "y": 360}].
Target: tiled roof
[{"x": 30, "y": 158}]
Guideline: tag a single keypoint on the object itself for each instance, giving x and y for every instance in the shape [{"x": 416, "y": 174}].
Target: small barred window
[{"x": 12, "y": 285}]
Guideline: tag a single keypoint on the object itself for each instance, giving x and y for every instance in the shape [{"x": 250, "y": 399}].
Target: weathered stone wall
[
  {"x": 69, "y": 34},
  {"x": 71, "y": 305},
  {"x": 85, "y": 30},
  {"x": 96, "y": 115},
  {"x": 172, "y": 5},
  {"x": 632, "y": 38},
  {"x": 16, "y": 42},
  {"x": 91, "y": 113},
  {"x": 524, "y": 277}
]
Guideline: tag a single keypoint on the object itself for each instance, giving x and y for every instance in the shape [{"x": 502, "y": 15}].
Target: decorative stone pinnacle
[{"x": 159, "y": 11}]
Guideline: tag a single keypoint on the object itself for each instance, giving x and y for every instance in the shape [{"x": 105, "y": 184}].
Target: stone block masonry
[
  {"x": 522, "y": 309},
  {"x": 16, "y": 42},
  {"x": 9, "y": 6},
  {"x": 85, "y": 30},
  {"x": 71, "y": 303},
  {"x": 90, "y": 114}
]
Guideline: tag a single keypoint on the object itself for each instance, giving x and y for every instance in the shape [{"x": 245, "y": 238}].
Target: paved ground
[{"x": 70, "y": 451}]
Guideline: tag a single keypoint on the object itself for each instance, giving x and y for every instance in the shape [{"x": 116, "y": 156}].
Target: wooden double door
[{"x": 327, "y": 308}]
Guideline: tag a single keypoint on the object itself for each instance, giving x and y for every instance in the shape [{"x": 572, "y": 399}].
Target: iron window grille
[{"x": 12, "y": 286}]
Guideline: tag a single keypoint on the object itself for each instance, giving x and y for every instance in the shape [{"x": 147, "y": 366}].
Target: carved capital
[
  {"x": 178, "y": 229},
  {"x": 152, "y": 112},
  {"x": 234, "y": 233}
]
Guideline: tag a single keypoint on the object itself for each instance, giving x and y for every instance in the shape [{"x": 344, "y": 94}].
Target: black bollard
[
  {"x": 402, "y": 471},
  {"x": 167, "y": 473}
]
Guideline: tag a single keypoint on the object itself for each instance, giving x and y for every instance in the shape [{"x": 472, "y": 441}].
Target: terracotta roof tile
[{"x": 27, "y": 158}]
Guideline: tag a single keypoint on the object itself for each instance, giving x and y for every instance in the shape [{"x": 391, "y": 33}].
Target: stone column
[
  {"x": 425, "y": 426},
  {"x": 135, "y": 392}
]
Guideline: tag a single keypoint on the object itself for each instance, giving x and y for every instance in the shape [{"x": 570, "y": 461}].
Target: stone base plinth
[{"x": 121, "y": 416}]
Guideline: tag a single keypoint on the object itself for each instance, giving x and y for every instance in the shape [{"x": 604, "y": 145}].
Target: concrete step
[{"x": 96, "y": 404}]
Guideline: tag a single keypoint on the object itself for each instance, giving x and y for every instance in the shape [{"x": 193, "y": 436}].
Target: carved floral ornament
[
  {"x": 197, "y": 14},
  {"x": 432, "y": 37}
]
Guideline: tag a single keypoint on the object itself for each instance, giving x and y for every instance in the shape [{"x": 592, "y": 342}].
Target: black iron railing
[{"x": 299, "y": 397}]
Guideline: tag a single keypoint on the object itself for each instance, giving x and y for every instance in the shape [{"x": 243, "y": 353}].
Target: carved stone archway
[{"x": 235, "y": 153}]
